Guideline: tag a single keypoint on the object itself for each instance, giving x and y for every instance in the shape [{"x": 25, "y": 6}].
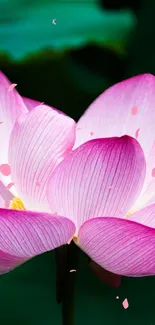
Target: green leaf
[{"x": 26, "y": 27}]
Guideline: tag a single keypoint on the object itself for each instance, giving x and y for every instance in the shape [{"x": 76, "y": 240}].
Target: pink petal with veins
[
  {"x": 111, "y": 114},
  {"x": 11, "y": 105},
  {"x": 120, "y": 246},
  {"x": 39, "y": 142},
  {"x": 24, "y": 234},
  {"x": 79, "y": 187},
  {"x": 145, "y": 216}
]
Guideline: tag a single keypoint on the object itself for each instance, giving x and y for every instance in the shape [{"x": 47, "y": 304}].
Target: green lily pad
[{"x": 26, "y": 27}]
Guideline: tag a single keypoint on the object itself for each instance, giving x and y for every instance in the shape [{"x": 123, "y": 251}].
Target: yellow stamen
[
  {"x": 75, "y": 239},
  {"x": 129, "y": 213},
  {"x": 16, "y": 204}
]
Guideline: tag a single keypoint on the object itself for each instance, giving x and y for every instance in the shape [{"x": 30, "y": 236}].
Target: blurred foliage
[
  {"x": 26, "y": 26},
  {"x": 141, "y": 52},
  {"x": 121, "y": 4}
]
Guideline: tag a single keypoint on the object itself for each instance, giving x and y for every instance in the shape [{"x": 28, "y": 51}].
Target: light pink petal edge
[
  {"x": 31, "y": 103},
  {"x": 125, "y": 108},
  {"x": 39, "y": 142},
  {"x": 11, "y": 106},
  {"x": 145, "y": 216}
]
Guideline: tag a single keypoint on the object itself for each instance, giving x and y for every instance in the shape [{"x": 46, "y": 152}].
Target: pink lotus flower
[{"x": 101, "y": 193}]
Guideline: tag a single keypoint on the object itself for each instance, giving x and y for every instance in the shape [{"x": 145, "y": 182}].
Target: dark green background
[{"x": 70, "y": 80}]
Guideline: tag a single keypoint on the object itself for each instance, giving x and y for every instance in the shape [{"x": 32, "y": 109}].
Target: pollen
[
  {"x": 16, "y": 204},
  {"x": 129, "y": 213},
  {"x": 75, "y": 239}
]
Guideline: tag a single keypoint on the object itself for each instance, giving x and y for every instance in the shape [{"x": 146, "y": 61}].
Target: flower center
[
  {"x": 16, "y": 204},
  {"x": 75, "y": 239}
]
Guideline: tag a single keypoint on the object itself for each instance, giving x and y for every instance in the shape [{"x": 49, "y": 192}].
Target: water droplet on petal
[
  {"x": 5, "y": 169},
  {"x": 91, "y": 133},
  {"x": 1, "y": 122}
]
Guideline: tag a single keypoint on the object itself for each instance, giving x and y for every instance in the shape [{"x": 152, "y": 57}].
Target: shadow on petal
[{"x": 114, "y": 280}]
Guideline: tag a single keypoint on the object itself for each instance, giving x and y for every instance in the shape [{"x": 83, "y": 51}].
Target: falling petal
[
  {"x": 5, "y": 193},
  {"x": 5, "y": 169},
  {"x": 125, "y": 303},
  {"x": 11, "y": 87},
  {"x": 153, "y": 172},
  {"x": 134, "y": 110},
  {"x": 10, "y": 185},
  {"x": 137, "y": 133}
]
